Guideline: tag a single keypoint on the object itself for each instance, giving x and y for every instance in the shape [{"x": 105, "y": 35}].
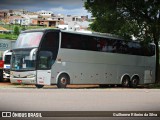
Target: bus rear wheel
[
  {"x": 39, "y": 86},
  {"x": 125, "y": 81},
  {"x": 63, "y": 80},
  {"x": 134, "y": 82}
]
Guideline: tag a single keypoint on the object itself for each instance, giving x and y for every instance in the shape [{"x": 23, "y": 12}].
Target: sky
[{"x": 67, "y": 7}]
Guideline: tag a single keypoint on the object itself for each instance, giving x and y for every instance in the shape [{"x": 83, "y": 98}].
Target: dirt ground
[{"x": 9, "y": 85}]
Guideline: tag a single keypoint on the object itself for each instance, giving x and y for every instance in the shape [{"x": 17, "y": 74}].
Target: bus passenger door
[
  {"x": 43, "y": 77},
  {"x": 44, "y": 68}
]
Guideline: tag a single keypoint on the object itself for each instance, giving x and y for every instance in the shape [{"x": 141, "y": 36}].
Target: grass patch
[
  {"x": 11, "y": 27},
  {"x": 8, "y": 36},
  {"x": 21, "y": 28}
]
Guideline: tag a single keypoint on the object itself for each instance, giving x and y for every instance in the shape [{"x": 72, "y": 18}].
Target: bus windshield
[
  {"x": 30, "y": 39},
  {"x": 21, "y": 60}
]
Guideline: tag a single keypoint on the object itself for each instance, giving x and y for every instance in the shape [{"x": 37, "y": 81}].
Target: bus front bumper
[
  {"x": 23, "y": 80},
  {"x": 28, "y": 77}
]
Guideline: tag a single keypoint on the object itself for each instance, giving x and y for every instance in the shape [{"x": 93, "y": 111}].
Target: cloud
[
  {"x": 77, "y": 11},
  {"x": 68, "y": 4},
  {"x": 72, "y": 7}
]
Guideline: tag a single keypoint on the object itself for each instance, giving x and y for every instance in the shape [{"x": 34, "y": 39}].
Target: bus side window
[
  {"x": 93, "y": 43},
  {"x": 66, "y": 41},
  {"x": 152, "y": 48}
]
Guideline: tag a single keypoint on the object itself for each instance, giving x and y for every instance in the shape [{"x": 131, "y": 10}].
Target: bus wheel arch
[
  {"x": 125, "y": 80},
  {"x": 134, "y": 81},
  {"x": 63, "y": 80}
]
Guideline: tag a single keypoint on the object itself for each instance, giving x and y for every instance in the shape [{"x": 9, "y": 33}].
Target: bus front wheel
[
  {"x": 63, "y": 80},
  {"x": 39, "y": 86}
]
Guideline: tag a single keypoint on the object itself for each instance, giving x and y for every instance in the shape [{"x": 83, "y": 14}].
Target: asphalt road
[{"x": 92, "y": 98}]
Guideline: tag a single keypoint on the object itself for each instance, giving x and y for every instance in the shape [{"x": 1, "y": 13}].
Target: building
[
  {"x": 57, "y": 17},
  {"x": 3, "y": 14},
  {"x": 45, "y": 14},
  {"x": 44, "y": 22},
  {"x": 3, "y": 30},
  {"x": 15, "y": 19},
  {"x": 70, "y": 18},
  {"x": 17, "y": 12},
  {"x": 74, "y": 23},
  {"x": 84, "y": 18},
  {"x": 27, "y": 19}
]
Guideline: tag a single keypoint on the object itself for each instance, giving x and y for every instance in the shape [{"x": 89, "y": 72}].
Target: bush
[{"x": 16, "y": 30}]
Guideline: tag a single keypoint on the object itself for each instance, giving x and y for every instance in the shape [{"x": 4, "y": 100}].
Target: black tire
[
  {"x": 39, "y": 86},
  {"x": 5, "y": 80},
  {"x": 1, "y": 75},
  {"x": 63, "y": 80},
  {"x": 134, "y": 82},
  {"x": 125, "y": 81},
  {"x": 103, "y": 86}
]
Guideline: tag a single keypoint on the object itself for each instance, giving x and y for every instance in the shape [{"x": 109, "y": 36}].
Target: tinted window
[
  {"x": 7, "y": 59},
  {"x": 92, "y": 43},
  {"x": 49, "y": 46},
  {"x": 81, "y": 42},
  {"x": 50, "y": 41}
]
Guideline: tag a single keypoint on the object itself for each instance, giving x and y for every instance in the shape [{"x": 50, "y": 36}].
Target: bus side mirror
[{"x": 33, "y": 51}]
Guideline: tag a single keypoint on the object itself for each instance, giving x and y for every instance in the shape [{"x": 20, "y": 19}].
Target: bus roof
[
  {"x": 98, "y": 34},
  {"x": 40, "y": 30},
  {"x": 105, "y": 35}
]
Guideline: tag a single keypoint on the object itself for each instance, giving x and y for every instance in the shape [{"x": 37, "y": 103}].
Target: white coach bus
[{"x": 51, "y": 56}]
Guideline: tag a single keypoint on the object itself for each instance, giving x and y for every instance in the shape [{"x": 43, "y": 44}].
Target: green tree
[
  {"x": 16, "y": 30},
  {"x": 140, "y": 18},
  {"x": 23, "y": 28}
]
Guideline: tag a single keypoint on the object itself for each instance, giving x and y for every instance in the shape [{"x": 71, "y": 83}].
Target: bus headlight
[
  {"x": 30, "y": 76},
  {"x": 11, "y": 73}
]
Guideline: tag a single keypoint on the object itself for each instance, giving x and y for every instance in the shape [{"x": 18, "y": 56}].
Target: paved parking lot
[{"x": 77, "y": 98}]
